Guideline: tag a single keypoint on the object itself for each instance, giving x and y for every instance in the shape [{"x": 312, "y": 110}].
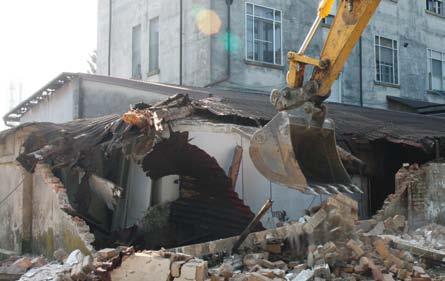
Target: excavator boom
[{"x": 297, "y": 147}]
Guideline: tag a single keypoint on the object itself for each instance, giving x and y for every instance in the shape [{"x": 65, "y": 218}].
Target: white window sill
[
  {"x": 385, "y": 84},
  {"x": 264, "y": 64},
  {"x": 434, "y": 14}
]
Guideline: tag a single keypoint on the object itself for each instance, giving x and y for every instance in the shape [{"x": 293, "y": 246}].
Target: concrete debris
[
  {"x": 305, "y": 275},
  {"x": 386, "y": 251},
  {"x": 60, "y": 255},
  {"x": 432, "y": 236}
]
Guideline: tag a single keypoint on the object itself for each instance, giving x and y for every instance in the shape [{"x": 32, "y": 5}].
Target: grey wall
[
  {"x": 57, "y": 108},
  {"x": 13, "y": 229},
  {"x": 435, "y": 203},
  {"x": 205, "y": 56},
  {"x": 129, "y": 13},
  {"x": 99, "y": 99}
]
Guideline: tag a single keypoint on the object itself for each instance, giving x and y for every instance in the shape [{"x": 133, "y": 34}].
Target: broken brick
[{"x": 355, "y": 247}]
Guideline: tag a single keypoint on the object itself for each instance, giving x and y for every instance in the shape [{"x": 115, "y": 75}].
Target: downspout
[
  {"x": 229, "y": 38},
  {"x": 110, "y": 15},
  {"x": 180, "y": 40},
  {"x": 361, "y": 71},
  {"x": 228, "y": 46}
]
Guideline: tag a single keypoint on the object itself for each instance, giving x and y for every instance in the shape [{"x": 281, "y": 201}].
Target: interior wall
[
  {"x": 139, "y": 192},
  {"x": 220, "y": 142}
]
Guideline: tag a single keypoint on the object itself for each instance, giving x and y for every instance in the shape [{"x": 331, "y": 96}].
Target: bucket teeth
[
  {"x": 334, "y": 188},
  {"x": 345, "y": 188},
  {"x": 357, "y": 189},
  {"x": 323, "y": 189},
  {"x": 310, "y": 190}
]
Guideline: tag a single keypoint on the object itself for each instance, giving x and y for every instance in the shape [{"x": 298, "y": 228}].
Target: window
[
  {"x": 153, "y": 60},
  {"x": 136, "y": 72},
  {"x": 436, "y": 70},
  {"x": 386, "y": 60},
  {"x": 435, "y": 6},
  {"x": 263, "y": 34}
]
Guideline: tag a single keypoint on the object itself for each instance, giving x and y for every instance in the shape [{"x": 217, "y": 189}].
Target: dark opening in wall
[
  {"x": 206, "y": 209},
  {"x": 387, "y": 162}
]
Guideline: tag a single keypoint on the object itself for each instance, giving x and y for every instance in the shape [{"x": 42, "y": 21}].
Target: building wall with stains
[
  {"x": 435, "y": 203},
  {"x": 206, "y": 51},
  {"x": 31, "y": 212},
  {"x": 129, "y": 14},
  {"x": 12, "y": 193},
  {"x": 52, "y": 227}
]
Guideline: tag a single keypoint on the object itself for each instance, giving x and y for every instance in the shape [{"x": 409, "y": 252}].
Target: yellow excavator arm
[
  {"x": 297, "y": 147},
  {"x": 350, "y": 21}
]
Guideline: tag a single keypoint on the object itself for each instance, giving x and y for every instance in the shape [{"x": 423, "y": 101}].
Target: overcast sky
[{"x": 40, "y": 39}]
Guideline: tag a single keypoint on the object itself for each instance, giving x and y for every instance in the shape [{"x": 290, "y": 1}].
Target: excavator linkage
[
  {"x": 289, "y": 152},
  {"x": 297, "y": 147}
]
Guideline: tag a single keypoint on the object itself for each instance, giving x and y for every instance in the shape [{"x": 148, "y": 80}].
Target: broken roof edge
[{"x": 60, "y": 80}]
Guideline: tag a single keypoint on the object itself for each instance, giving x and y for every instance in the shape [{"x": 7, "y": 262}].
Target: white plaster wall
[
  {"x": 53, "y": 228},
  {"x": 12, "y": 183},
  {"x": 11, "y": 209},
  {"x": 57, "y": 108},
  {"x": 165, "y": 189},
  {"x": 139, "y": 194},
  {"x": 252, "y": 187}
]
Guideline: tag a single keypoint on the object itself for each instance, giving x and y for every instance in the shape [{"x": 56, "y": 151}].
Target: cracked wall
[{"x": 31, "y": 214}]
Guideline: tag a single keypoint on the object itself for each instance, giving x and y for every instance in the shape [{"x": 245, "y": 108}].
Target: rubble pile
[
  {"x": 432, "y": 236},
  {"x": 366, "y": 258},
  {"x": 328, "y": 245}
]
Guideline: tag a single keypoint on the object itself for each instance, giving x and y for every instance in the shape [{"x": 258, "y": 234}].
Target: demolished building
[{"x": 188, "y": 178}]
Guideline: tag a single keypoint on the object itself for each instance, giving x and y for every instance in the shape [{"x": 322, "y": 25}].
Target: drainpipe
[
  {"x": 361, "y": 70},
  {"x": 180, "y": 41},
  {"x": 110, "y": 7},
  {"x": 229, "y": 47},
  {"x": 229, "y": 38}
]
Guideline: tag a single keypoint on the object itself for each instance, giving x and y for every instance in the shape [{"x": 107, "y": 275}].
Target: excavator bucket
[{"x": 289, "y": 152}]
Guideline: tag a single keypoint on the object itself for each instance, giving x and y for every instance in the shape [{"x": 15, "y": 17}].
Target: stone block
[
  {"x": 355, "y": 247},
  {"x": 305, "y": 275},
  {"x": 142, "y": 266},
  {"x": 322, "y": 271},
  {"x": 381, "y": 248},
  {"x": 255, "y": 276},
  {"x": 175, "y": 268},
  {"x": 20, "y": 266},
  {"x": 106, "y": 254},
  {"x": 194, "y": 269},
  {"x": 273, "y": 248}
]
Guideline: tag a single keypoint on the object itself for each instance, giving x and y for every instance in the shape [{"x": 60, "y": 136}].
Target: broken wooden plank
[
  {"x": 252, "y": 225},
  {"x": 236, "y": 164}
]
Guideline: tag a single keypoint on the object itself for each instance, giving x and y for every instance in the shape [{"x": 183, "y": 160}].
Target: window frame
[
  {"x": 436, "y": 8},
  {"x": 429, "y": 59},
  {"x": 246, "y": 15},
  {"x": 393, "y": 57},
  {"x": 136, "y": 73},
  {"x": 153, "y": 69}
]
